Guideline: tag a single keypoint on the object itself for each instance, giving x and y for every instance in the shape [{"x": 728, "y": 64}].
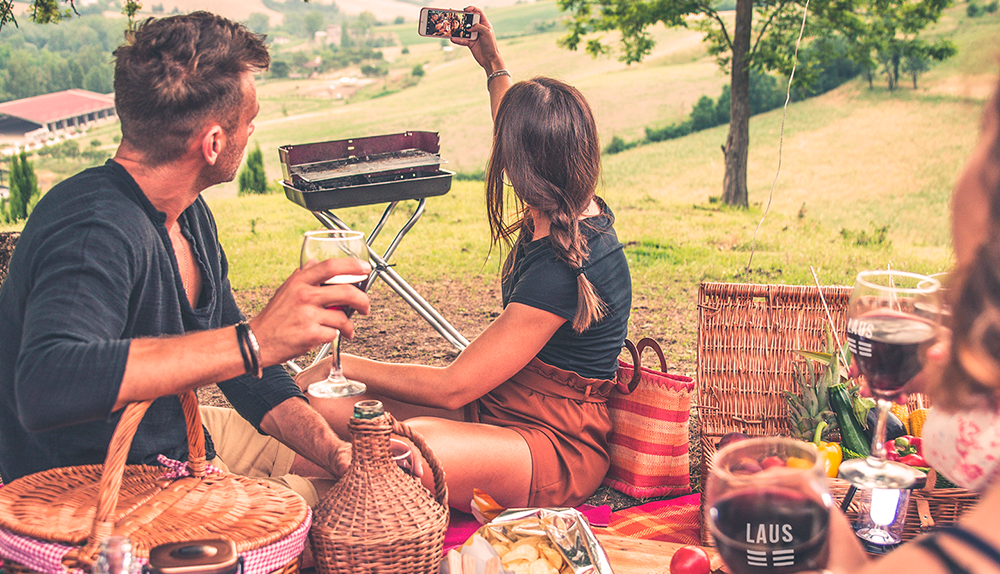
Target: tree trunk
[
  {"x": 738, "y": 142},
  {"x": 895, "y": 70}
]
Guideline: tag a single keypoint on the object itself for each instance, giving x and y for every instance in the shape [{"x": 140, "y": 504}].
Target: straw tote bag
[
  {"x": 648, "y": 444},
  {"x": 54, "y": 521}
]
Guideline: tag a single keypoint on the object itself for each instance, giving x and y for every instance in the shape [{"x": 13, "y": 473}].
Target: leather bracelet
[
  {"x": 496, "y": 74},
  {"x": 250, "y": 340},
  {"x": 244, "y": 349}
]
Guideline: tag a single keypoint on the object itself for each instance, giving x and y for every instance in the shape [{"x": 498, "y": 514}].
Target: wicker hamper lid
[
  {"x": 83, "y": 505},
  {"x": 378, "y": 519}
]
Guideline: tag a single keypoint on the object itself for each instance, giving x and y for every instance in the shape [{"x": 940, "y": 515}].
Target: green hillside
[{"x": 865, "y": 174}]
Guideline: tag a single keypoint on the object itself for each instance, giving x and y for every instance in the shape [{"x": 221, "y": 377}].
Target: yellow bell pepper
[{"x": 829, "y": 452}]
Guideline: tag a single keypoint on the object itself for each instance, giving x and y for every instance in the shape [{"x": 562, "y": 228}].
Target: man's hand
[
  {"x": 299, "y": 427},
  {"x": 304, "y": 311},
  {"x": 341, "y": 460}
]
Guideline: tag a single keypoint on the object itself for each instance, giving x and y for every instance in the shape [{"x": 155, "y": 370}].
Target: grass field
[{"x": 865, "y": 175}]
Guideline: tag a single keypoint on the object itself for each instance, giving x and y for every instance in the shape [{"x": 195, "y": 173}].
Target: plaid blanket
[{"x": 674, "y": 520}]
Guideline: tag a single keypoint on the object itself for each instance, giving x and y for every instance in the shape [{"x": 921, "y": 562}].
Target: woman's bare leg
[{"x": 493, "y": 459}]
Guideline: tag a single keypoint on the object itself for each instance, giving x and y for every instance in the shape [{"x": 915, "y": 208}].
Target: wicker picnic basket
[
  {"x": 748, "y": 335},
  {"x": 67, "y": 512},
  {"x": 378, "y": 519}
]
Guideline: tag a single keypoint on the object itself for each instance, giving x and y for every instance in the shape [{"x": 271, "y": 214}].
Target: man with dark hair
[{"x": 118, "y": 290}]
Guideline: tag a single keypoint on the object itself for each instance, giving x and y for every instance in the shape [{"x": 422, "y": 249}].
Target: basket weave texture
[
  {"x": 378, "y": 519},
  {"x": 83, "y": 505},
  {"x": 748, "y": 335}
]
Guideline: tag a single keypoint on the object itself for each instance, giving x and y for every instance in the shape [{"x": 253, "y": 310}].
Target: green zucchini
[{"x": 852, "y": 436}]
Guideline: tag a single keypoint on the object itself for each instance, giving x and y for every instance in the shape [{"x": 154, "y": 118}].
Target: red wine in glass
[
  {"x": 892, "y": 317},
  {"x": 334, "y": 244},
  {"x": 359, "y": 281},
  {"x": 772, "y": 530},
  {"x": 887, "y": 347}
]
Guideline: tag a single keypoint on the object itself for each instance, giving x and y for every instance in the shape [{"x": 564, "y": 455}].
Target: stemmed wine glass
[
  {"x": 331, "y": 244},
  {"x": 893, "y": 316},
  {"x": 768, "y": 506}
]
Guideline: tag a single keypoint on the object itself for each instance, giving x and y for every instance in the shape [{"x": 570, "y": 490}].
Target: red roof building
[{"x": 39, "y": 116}]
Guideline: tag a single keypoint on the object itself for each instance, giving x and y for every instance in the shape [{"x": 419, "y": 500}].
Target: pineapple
[{"x": 811, "y": 405}]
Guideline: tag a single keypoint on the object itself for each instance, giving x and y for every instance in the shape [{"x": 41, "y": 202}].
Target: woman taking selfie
[
  {"x": 962, "y": 432},
  {"x": 521, "y": 413}
]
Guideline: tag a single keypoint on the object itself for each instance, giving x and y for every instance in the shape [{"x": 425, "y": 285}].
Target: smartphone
[{"x": 443, "y": 23}]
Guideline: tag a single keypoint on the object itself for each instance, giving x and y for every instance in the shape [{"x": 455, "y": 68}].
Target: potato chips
[{"x": 528, "y": 555}]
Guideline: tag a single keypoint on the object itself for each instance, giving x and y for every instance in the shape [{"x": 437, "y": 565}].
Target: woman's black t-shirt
[{"x": 540, "y": 279}]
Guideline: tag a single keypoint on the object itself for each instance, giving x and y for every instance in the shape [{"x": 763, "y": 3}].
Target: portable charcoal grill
[{"x": 368, "y": 171}]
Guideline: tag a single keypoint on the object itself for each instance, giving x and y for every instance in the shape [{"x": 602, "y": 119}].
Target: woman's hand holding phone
[{"x": 447, "y": 23}]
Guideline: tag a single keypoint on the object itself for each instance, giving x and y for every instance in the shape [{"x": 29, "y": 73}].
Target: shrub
[
  {"x": 252, "y": 179},
  {"x": 23, "y": 187}
]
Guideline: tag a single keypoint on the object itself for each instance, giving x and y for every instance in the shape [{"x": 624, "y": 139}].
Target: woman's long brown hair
[
  {"x": 972, "y": 373},
  {"x": 545, "y": 144}
]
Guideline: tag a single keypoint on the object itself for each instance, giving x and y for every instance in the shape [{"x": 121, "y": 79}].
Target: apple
[
  {"x": 772, "y": 461},
  {"x": 690, "y": 560},
  {"x": 746, "y": 465},
  {"x": 731, "y": 437}
]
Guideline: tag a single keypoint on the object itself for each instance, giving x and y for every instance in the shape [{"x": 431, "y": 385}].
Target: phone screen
[{"x": 448, "y": 24}]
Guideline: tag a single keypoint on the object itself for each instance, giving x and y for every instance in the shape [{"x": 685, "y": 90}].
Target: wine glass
[
  {"x": 768, "y": 506},
  {"x": 331, "y": 244},
  {"x": 893, "y": 317}
]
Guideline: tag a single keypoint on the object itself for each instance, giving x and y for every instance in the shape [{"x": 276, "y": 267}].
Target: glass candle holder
[{"x": 881, "y": 515}]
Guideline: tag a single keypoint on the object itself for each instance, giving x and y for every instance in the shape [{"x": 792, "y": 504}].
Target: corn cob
[
  {"x": 902, "y": 412},
  {"x": 917, "y": 418}
]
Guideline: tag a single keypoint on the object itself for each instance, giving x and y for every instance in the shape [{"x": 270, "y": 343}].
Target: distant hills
[{"x": 384, "y": 10}]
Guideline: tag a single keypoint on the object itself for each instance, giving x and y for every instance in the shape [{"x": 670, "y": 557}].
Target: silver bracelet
[{"x": 496, "y": 74}]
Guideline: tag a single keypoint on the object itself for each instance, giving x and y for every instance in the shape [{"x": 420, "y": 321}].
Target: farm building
[{"x": 39, "y": 118}]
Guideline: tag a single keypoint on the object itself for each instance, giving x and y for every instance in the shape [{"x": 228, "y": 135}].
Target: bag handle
[
  {"x": 440, "y": 486},
  {"x": 626, "y": 388},
  {"x": 114, "y": 463},
  {"x": 636, "y": 351},
  {"x": 647, "y": 343}
]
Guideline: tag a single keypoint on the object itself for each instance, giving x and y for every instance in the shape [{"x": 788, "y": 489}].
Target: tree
[
  {"x": 23, "y": 186},
  {"x": 914, "y": 65},
  {"x": 279, "y": 69},
  {"x": 49, "y": 11},
  {"x": 886, "y": 32},
  {"x": 740, "y": 48},
  {"x": 762, "y": 37},
  {"x": 259, "y": 22},
  {"x": 252, "y": 179},
  {"x": 314, "y": 22}
]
